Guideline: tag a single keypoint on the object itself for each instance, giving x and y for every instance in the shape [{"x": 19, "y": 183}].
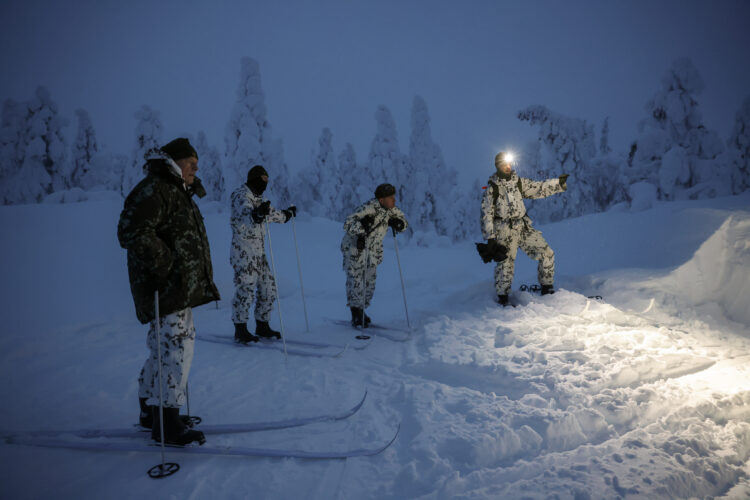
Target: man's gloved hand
[
  {"x": 361, "y": 242},
  {"x": 563, "y": 180},
  {"x": 261, "y": 211},
  {"x": 290, "y": 212},
  {"x": 367, "y": 221},
  {"x": 396, "y": 223},
  {"x": 158, "y": 278}
]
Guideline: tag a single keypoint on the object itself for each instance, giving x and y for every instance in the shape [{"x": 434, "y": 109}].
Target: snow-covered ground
[{"x": 562, "y": 396}]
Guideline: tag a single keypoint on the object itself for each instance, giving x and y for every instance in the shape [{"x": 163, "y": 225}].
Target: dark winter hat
[
  {"x": 384, "y": 191},
  {"x": 179, "y": 148},
  {"x": 256, "y": 172}
]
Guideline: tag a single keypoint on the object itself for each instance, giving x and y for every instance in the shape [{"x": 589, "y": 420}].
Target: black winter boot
[
  {"x": 242, "y": 335},
  {"x": 263, "y": 330},
  {"x": 175, "y": 431},
  {"x": 548, "y": 289},
  {"x": 146, "y": 418},
  {"x": 503, "y": 300},
  {"x": 357, "y": 315}
]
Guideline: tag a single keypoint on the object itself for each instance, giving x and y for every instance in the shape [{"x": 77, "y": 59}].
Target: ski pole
[
  {"x": 299, "y": 268},
  {"x": 364, "y": 285},
  {"x": 278, "y": 300},
  {"x": 161, "y": 472},
  {"x": 401, "y": 274}
]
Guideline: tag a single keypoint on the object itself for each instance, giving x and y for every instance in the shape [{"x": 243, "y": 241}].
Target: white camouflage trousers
[
  {"x": 517, "y": 235},
  {"x": 248, "y": 280},
  {"x": 360, "y": 278},
  {"x": 177, "y": 336}
]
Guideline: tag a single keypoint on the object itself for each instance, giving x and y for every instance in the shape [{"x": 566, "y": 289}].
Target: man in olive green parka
[{"x": 162, "y": 229}]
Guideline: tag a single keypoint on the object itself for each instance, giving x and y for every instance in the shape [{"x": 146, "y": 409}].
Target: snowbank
[{"x": 719, "y": 272}]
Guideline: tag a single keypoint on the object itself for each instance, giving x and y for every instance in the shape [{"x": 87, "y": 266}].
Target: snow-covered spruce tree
[
  {"x": 347, "y": 199},
  {"x": 429, "y": 185},
  {"x": 12, "y": 126},
  {"x": 44, "y": 123},
  {"x": 604, "y": 148},
  {"x": 673, "y": 144},
  {"x": 385, "y": 161},
  {"x": 318, "y": 183},
  {"x": 33, "y": 139},
  {"x": 468, "y": 214},
  {"x": 210, "y": 171},
  {"x": 84, "y": 150},
  {"x": 568, "y": 147},
  {"x": 249, "y": 141},
  {"x": 739, "y": 149},
  {"x": 148, "y": 134}
]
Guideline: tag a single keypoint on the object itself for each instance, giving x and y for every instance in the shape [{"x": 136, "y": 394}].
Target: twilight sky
[{"x": 329, "y": 63}]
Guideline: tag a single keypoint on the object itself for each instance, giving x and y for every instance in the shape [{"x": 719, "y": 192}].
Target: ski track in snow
[{"x": 562, "y": 396}]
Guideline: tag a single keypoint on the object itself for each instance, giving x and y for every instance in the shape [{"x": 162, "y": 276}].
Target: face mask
[{"x": 257, "y": 185}]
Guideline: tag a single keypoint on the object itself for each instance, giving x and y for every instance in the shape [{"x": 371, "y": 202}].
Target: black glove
[
  {"x": 492, "y": 250},
  {"x": 290, "y": 212},
  {"x": 361, "y": 242},
  {"x": 260, "y": 212},
  {"x": 367, "y": 221},
  {"x": 396, "y": 223},
  {"x": 158, "y": 278},
  {"x": 563, "y": 179}
]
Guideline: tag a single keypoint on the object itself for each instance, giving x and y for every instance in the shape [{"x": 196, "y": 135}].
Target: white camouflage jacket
[
  {"x": 508, "y": 206},
  {"x": 374, "y": 239},
  {"x": 248, "y": 238}
]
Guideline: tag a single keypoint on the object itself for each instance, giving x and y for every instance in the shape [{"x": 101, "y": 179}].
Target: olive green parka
[{"x": 162, "y": 229}]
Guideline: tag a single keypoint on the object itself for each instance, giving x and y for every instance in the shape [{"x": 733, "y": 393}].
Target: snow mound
[{"x": 719, "y": 272}]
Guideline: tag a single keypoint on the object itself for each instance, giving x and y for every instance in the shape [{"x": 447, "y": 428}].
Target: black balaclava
[{"x": 255, "y": 180}]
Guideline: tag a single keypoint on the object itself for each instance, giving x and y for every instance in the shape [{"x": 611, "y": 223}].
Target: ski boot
[
  {"x": 357, "y": 315},
  {"x": 242, "y": 335},
  {"x": 175, "y": 430},
  {"x": 548, "y": 289},
  {"x": 146, "y": 417},
  {"x": 263, "y": 330},
  {"x": 503, "y": 300}
]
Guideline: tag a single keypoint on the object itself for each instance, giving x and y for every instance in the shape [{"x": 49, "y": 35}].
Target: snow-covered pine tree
[
  {"x": 148, "y": 134},
  {"x": 249, "y": 141},
  {"x": 568, "y": 147},
  {"x": 385, "y": 161},
  {"x": 210, "y": 171},
  {"x": 84, "y": 150},
  {"x": 673, "y": 142},
  {"x": 347, "y": 199},
  {"x": 739, "y": 149}
]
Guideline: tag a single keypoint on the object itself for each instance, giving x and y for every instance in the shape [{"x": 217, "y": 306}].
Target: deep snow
[{"x": 562, "y": 395}]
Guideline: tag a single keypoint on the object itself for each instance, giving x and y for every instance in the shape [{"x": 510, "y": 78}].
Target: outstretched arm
[{"x": 540, "y": 189}]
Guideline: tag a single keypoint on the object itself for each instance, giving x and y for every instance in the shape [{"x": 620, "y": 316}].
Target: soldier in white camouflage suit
[
  {"x": 504, "y": 222},
  {"x": 362, "y": 247},
  {"x": 250, "y": 212}
]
